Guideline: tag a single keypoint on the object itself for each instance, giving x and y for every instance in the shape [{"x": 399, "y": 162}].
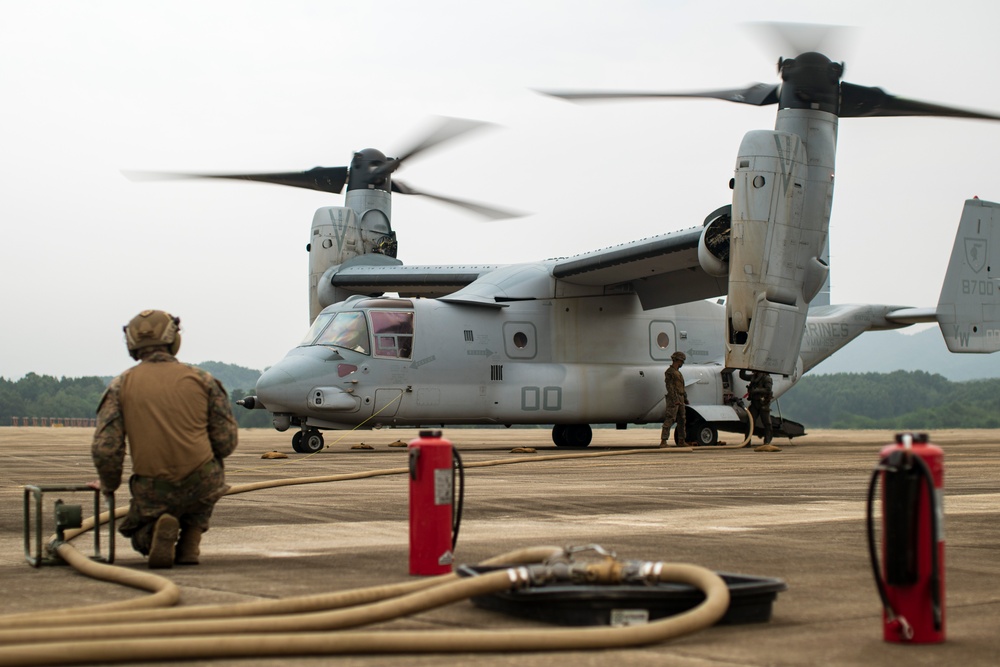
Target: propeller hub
[
  {"x": 811, "y": 81},
  {"x": 369, "y": 171}
]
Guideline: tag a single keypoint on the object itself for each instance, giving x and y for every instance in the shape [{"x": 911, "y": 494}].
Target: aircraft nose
[
  {"x": 285, "y": 386},
  {"x": 276, "y": 389}
]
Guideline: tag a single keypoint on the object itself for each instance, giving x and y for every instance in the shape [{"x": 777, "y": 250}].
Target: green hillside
[
  {"x": 48, "y": 397},
  {"x": 903, "y": 400}
]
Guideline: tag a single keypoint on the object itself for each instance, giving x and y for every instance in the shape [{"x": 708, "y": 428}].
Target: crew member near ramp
[
  {"x": 179, "y": 427},
  {"x": 676, "y": 402},
  {"x": 761, "y": 393}
]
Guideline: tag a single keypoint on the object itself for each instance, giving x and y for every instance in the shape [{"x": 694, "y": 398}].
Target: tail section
[{"x": 968, "y": 309}]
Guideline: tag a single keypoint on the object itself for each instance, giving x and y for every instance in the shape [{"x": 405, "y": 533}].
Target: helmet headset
[{"x": 152, "y": 328}]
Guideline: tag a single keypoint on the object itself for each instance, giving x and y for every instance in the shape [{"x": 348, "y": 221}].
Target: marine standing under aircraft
[{"x": 584, "y": 340}]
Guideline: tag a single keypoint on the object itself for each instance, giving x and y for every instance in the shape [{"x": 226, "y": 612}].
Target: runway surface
[{"x": 797, "y": 515}]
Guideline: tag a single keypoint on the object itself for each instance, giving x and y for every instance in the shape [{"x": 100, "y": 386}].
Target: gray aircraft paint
[{"x": 596, "y": 359}]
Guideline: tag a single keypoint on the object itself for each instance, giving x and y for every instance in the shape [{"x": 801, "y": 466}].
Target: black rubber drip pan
[{"x": 750, "y": 600}]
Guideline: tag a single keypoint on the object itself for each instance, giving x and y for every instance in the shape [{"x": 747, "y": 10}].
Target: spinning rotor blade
[
  {"x": 792, "y": 37},
  {"x": 861, "y": 101},
  {"x": 324, "y": 179},
  {"x": 802, "y": 37},
  {"x": 810, "y": 80},
  {"x": 757, "y": 94},
  {"x": 488, "y": 212},
  {"x": 446, "y": 130},
  {"x": 370, "y": 168}
]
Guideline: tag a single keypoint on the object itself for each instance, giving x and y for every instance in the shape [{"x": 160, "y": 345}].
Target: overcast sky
[{"x": 93, "y": 88}]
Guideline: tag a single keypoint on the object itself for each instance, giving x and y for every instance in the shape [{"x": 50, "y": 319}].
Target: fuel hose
[
  {"x": 164, "y": 595},
  {"x": 310, "y": 634},
  {"x": 317, "y": 624}
]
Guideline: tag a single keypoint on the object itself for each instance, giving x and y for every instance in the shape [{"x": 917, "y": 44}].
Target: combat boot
[
  {"x": 188, "y": 547},
  {"x": 161, "y": 551}
]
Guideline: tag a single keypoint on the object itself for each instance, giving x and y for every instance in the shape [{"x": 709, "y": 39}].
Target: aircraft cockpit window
[
  {"x": 393, "y": 332},
  {"x": 317, "y": 326},
  {"x": 348, "y": 330}
]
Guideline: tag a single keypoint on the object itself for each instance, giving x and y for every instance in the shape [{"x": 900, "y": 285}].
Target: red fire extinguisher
[
  {"x": 910, "y": 578},
  {"x": 435, "y": 509}
]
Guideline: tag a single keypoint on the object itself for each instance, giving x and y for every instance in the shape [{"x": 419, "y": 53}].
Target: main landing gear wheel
[
  {"x": 572, "y": 435},
  {"x": 307, "y": 442},
  {"x": 704, "y": 434}
]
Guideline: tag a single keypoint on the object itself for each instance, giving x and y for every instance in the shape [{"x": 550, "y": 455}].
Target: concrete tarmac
[{"x": 797, "y": 515}]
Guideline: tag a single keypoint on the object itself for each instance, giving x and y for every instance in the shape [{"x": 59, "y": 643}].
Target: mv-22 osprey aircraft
[{"x": 585, "y": 340}]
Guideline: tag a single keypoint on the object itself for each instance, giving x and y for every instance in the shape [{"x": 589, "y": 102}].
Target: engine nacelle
[
  {"x": 334, "y": 238},
  {"x": 772, "y": 253},
  {"x": 341, "y": 235},
  {"x": 713, "y": 247}
]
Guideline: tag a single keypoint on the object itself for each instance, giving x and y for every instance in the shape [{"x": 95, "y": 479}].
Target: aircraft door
[
  {"x": 662, "y": 340},
  {"x": 386, "y": 403}
]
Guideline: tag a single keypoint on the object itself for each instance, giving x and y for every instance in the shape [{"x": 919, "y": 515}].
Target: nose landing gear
[{"x": 307, "y": 441}]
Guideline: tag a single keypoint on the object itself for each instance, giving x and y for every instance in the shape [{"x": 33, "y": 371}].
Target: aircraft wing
[
  {"x": 409, "y": 281},
  {"x": 663, "y": 270}
]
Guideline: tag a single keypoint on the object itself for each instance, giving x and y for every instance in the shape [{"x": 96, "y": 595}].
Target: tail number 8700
[{"x": 978, "y": 287}]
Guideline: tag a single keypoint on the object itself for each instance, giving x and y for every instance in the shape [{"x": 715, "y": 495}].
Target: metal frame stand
[{"x": 66, "y": 517}]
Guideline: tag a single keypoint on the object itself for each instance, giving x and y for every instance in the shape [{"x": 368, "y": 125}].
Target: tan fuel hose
[
  {"x": 21, "y": 630},
  {"x": 125, "y": 648},
  {"x": 269, "y": 484},
  {"x": 373, "y": 609},
  {"x": 150, "y": 581},
  {"x": 746, "y": 440},
  {"x": 404, "y": 605}
]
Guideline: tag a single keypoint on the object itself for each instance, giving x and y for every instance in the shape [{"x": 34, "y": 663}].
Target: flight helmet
[{"x": 153, "y": 328}]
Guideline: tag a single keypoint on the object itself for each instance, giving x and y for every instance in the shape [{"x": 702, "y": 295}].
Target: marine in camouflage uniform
[
  {"x": 676, "y": 401},
  {"x": 179, "y": 427},
  {"x": 761, "y": 393}
]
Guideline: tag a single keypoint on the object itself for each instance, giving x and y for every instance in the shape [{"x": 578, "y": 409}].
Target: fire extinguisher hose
[{"x": 458, "y": 496}]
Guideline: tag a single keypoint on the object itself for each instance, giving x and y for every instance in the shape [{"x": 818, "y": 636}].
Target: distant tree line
[
  {"x": 903, "y": 400},
  {"x": 47, "y": 396}
]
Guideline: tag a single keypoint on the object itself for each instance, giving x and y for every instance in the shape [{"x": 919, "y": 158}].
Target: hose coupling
[
  {"x": 643, "y": 572},
  {"x": 563, "y": 567},
  {"x": 558, "y": 572},
  {"x": 520, "y": 577}
]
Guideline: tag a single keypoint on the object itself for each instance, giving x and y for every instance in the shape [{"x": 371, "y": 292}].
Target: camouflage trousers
[
  {"x": 676, "y": 412},
  {"x": 191, "y": 501},
  {"x": 761, "y": 414}
]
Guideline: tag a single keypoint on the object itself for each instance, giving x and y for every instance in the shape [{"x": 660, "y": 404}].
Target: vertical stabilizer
[{"x": 968, "y": 310}]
